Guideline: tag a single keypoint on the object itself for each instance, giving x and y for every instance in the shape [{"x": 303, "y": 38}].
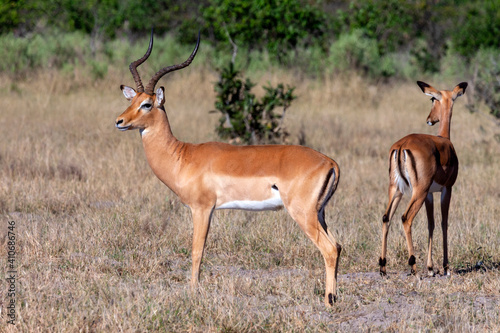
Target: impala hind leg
[
  {"x": 416, "y": 202},
  {"x": 445, "y": 206},
  {"x": 395, "y": 196},
  {"x": 328, "y": 247},
  {"x": 429, "y": 208},
  {"x": 201, "y": 224}
]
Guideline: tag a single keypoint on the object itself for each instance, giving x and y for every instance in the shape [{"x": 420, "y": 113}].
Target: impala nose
[{"x": 118, "y": 122}]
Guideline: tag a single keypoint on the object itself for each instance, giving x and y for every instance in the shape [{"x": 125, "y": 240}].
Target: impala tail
[{"x": 401, "y": 166}]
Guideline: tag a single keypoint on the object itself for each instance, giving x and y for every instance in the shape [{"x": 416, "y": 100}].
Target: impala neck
[
  {"x": 160, "y": 145},
  {"x": 444, "y": 127},
  {"x": 444, "y": 124}
]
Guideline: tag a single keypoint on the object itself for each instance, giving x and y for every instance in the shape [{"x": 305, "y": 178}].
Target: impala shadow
[{"x": 479, "y": 266}]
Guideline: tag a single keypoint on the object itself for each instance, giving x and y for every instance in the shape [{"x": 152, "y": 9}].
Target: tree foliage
[
  {"x": 376, "y": 38},
  {"x": 392, "y": 23},
  {"x": 10, "y": 14},
  {"x": 478, "y": 27},
  {"x": 245, "y": 118},
  {"x": 487, "y": 78},
  {"x": 275, "y": 25},
  {"x": 103, "y": 17}
]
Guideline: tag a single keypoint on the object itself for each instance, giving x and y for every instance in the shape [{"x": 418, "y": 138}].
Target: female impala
[
  {"x": 421, "y": 165},
  {"x": 216, "y": 175}
]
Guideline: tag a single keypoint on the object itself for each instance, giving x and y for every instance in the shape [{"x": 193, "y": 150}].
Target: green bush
[
  {"x": 276, "y": 26},
  {"x": 487, "y": 78},
  {"x": 98, "y": 69},
  {"x": 245, "y": 119},
  {"x": 423, "y": 58},
  {"x": 356, "y": 51},
  {"x": 52, "y": 50},
  {"x": 391, "y": 23},
  {"x": 478, "y": 27}
]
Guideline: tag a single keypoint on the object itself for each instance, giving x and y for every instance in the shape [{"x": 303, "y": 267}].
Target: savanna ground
[{"x": 102, "y": 245}]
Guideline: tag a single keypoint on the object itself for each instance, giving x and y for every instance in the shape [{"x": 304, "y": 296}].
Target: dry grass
[{"x": 104, "y": 246}]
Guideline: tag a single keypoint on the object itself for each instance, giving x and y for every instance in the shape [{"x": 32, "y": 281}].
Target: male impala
[
  {"x": 215, "y": 175},
  {"x": 422, "y": 164}
]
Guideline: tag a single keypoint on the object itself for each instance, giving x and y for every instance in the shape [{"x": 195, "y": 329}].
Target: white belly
[
  {"x": 435, "y": 187},
  {"x": 273, "y": 203}
]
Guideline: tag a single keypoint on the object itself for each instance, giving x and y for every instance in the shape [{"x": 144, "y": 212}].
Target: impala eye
[{"x": 146, "y": 106}]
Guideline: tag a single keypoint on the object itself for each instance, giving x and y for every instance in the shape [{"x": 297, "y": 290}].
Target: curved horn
[
  {"x": 154, "y": 80},
  {"x": 133, "y": 66}
]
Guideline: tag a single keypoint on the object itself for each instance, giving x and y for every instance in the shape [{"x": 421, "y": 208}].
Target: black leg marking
[
  {"x": 321, "y": 218},
  {"x": 382, "y": 262},
  {"x": 331, "y": 299},
  {"x": 385, "y": 218},
  {"x": 412, "y": 260}
]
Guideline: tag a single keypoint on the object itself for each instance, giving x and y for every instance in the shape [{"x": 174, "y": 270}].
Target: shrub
[
  {"x": 245, "y": 119},
  {"x": 98, "y": 69},
  {"x": 53, "y": 50},
  {"x": 478, "y": 27},
  {"x": 276, "y": 26},
  {"x": 423, "y": 58},
  {"x": 356, "y": 51},
  {"x": 487, "y": 78},
  {"x": 390, "y": 23},
  {"x": 353, "y": 50}
]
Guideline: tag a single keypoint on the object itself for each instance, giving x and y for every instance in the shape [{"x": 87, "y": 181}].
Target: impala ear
[
  {"x": 459, "y": 90},
  {"x": 160, "y": 97},
  {"x": 429, "y": 91},
  {"x": 128, "y": 92}
]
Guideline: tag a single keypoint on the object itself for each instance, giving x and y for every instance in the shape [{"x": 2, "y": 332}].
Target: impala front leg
[{"x": 201, "y": 224}]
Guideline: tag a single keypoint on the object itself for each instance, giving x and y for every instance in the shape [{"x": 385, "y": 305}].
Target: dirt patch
[{"x": 369, "y": 302}]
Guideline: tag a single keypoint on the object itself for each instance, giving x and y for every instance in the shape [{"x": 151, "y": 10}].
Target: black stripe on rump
[
  {"x": 413, "y": 163},
  {"x": 330, "y": 178}
]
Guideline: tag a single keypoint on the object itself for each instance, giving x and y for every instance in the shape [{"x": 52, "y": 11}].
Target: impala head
[
  {"x": 442, "y": 101},
  {"x": 145, "y": 102}
]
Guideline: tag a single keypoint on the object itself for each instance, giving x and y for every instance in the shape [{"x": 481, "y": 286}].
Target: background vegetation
[
  {"x": 379, "y": 39},
  {"x": 104, "y": 246}
]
